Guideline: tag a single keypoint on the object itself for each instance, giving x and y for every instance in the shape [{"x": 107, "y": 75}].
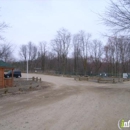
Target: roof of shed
[{"x": 5, "y": 65}]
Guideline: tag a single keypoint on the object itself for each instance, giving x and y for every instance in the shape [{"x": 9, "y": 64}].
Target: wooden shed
[{"x": 5, "y": 82}]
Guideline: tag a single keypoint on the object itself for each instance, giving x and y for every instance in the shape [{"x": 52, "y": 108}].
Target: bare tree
[
  {"x": 43, "y": 51},
  {"x": 117, "y": 54},
  {"x": 96, "y": 54},
  {"x": 124, "y": 51},
  {"x": 32, "y": 54},
  {"x": 76, "y": 53},
  {"x": 32, "y": 51},
  {"x": 51, "y": 61},
  {"x": 128, "y": 55},
  {"x": 8, "y": 57},
  {"x": 84, "y": 39},
  {"x": 61, "y": 46},
  {"x": 28, "y": 52},
  {"x": 117, "y": 16},
  {"x": 6, "y": 51},
  {"x": 5, "y": 48},
  {"x": 23, "y": 52},
  {"x": 2, "y": 27}
]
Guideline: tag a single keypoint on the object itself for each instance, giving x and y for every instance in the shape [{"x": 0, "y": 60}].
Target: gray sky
[{"x": 39, "y": 20}]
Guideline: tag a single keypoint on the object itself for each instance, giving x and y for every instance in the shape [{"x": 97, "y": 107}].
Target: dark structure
[{"x": 5, "y": 82}]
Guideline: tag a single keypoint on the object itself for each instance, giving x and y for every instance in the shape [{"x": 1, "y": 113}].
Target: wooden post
[
  {"x": 33, "y": 78},
  {"x": 5, "y": 91},
  {"x": 40, "y": 79},
  {"x": 30, "y": 86},
  {"x": 98, "y": 80},
  {"x": 113, "y": 80},
  {"x": 79, "y": 78}
]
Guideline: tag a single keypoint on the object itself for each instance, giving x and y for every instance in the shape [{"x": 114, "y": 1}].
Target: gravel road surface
[{"x": 66, "y": 105}]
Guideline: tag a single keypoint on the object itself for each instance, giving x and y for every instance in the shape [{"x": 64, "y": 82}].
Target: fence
[
  {"x": 100, "y": 79},
  {"x": 22, "y": 84}
]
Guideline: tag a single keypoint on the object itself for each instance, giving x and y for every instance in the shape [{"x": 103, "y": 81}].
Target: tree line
[{"x": 77, "y": 54}]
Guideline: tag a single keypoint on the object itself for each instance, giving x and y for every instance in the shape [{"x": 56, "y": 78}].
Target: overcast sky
[{"x": 39, "y": 20}]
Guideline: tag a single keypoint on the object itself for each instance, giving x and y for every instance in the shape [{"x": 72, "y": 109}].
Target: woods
[{"x": 77, "y": 54}]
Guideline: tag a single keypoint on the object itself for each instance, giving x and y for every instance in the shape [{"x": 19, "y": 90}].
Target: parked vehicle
[{"x": 16, "y": 73}]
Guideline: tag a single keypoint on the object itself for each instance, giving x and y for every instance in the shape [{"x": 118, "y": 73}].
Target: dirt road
[{"x": 66, "y": 105}]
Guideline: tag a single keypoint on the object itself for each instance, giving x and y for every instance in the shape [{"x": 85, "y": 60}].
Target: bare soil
[{"x": 66, "y": 104}]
